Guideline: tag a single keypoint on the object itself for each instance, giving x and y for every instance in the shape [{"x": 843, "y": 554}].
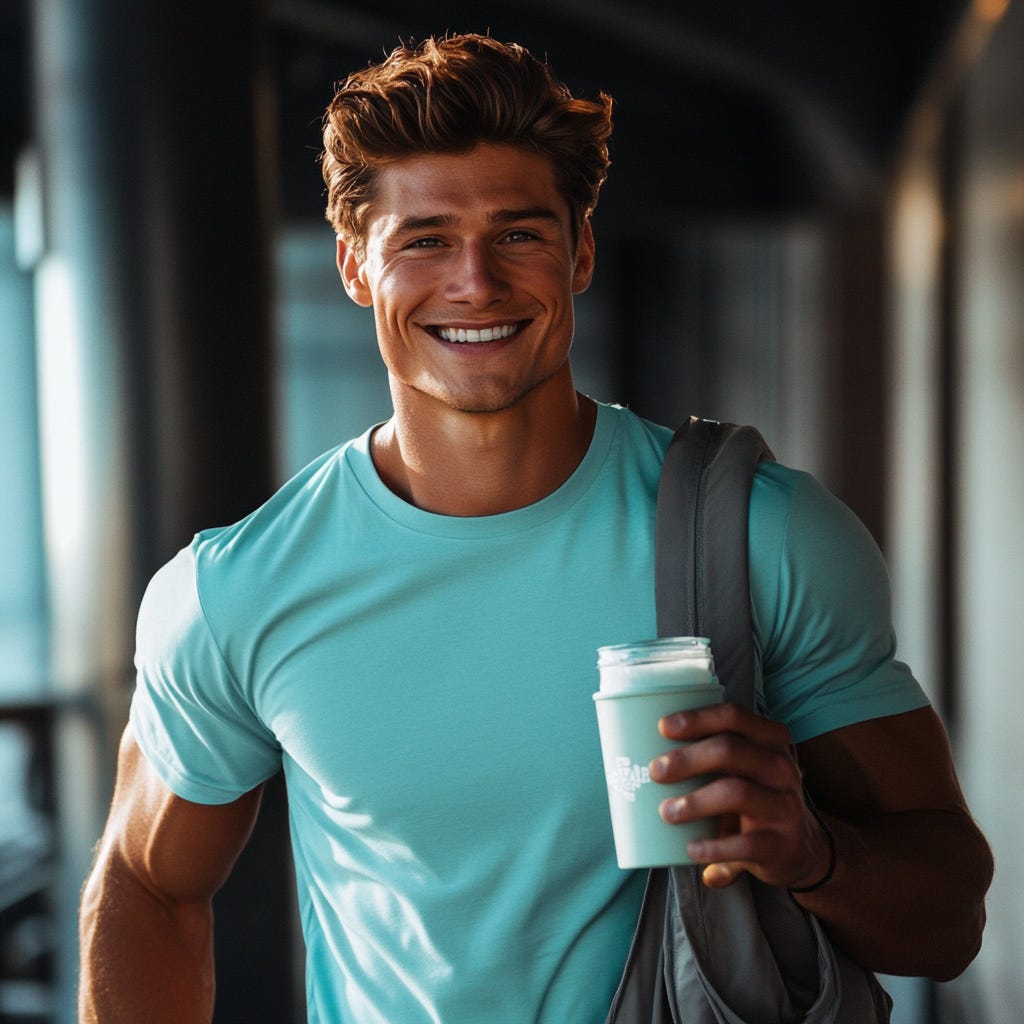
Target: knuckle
[
  {"x": 784, "y": 769},
  {"x": 733, "y": 790},
  {"x": 720, "y": 747},
  {"x": 731, "y": 714}
]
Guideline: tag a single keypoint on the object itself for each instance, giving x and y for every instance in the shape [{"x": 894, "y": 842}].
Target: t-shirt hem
[
  {"x": 812, "y": 726},
  {"x": 179, "y": 783}
]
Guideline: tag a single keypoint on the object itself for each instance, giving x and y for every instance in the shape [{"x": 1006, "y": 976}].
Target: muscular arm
[
  {"x": 912, "y": 869},
  {"x": 146, "y": 918}
]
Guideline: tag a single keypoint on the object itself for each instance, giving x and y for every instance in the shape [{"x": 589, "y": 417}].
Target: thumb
[{"x": 718, "y": 876}]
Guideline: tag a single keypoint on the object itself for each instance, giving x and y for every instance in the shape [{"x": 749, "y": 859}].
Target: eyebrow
[
  {"x": 530, "y": 213},
  {"x": 442, "y": 220}
]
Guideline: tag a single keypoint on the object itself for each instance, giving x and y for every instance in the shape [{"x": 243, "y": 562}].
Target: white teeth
[{"x": 461, "y": 334}]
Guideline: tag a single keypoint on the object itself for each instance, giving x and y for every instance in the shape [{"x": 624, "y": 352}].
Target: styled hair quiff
[{"x": 447, "y": 96}]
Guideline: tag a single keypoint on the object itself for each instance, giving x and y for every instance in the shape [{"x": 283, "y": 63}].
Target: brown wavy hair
[{"x": 446, "y": 96}]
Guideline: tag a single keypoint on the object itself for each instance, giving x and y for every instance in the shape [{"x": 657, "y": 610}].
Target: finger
[
  {"x": 767, "y": 854},
  {"x": 744, "y": 847},
  {"x": 697, "y": 723},
  {"x": 719, "y": 875},
  {"x": 735, "y": 796},
  {"x": 728, "y": 754}
]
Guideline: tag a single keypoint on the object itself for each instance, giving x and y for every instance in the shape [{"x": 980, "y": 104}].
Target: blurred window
[
  {"x": 26, "y": 799},
  {"x": 22, "y": 587}
]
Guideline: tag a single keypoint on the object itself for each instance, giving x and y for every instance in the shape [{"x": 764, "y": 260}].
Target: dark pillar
[
  {"x": 155, "y": 383},
  {"x": 859, "y": 327}
]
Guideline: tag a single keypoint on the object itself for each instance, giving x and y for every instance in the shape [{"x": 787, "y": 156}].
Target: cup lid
[{"x": 670, "y": 648}]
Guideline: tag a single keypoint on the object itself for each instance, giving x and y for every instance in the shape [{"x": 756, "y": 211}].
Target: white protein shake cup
[{"x": 640, "y": 684}]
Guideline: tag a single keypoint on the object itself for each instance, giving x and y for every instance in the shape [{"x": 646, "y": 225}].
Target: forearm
[
  {"x": 141, "y": 958},
  {"x": 907, "y": 893}
]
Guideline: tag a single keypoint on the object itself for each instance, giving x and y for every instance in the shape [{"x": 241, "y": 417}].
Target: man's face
[{"x": 470, "y": 270}]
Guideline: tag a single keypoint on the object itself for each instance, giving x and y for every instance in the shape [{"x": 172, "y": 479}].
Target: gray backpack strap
[
  {"x": 747, "y": 954},
  {"x": 701, "y": 578}
]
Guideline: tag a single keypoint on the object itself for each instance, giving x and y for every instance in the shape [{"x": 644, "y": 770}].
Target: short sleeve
[
  {"x": 821, "y": 606},
  {"x": 188, "y": 714}
]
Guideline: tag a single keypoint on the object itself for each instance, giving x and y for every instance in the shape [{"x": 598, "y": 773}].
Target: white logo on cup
[{"x": 625, "y": 778}]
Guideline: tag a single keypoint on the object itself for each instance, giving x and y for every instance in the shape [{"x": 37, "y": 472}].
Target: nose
[{"x": 477, "y": 276}]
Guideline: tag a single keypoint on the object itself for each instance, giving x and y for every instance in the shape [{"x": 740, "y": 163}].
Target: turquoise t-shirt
[{"x": 425, "y": 683}]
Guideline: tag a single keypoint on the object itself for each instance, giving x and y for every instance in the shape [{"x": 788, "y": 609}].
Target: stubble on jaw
[{"x": 475, "y": 404}]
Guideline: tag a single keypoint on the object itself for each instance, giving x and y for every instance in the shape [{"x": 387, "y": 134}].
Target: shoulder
[
  {"x": 792, "y": 514},
  {"x": 802, "y": 536},
  {"x": 225, "y": 572},
  {"x": 821, "y": 607},
  {"x": 634, "y": 431},
  {"x": 296, "y": 501},
  {"x": 174, "y": 645},
  {"x": 281, "y": 538},
  {"x": 636, "y": 443}
]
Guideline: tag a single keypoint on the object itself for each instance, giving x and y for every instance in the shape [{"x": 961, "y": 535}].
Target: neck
[{"x": 478, "y": 464}]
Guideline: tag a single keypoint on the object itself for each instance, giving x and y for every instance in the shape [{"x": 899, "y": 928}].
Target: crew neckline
[{"x": 358, "y": 458}]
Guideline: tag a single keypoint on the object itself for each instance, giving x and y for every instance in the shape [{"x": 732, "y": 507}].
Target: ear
[
  {"x": 350, "y": 267},
  {"x": 583, "y": 270}
]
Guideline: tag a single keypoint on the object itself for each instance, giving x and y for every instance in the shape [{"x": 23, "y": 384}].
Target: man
[{"x": 408, "y": 629}]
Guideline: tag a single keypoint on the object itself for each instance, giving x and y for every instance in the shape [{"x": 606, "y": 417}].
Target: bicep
[
  {"x": 897, "y": 763},
  {"x": 181, "y": 851}
]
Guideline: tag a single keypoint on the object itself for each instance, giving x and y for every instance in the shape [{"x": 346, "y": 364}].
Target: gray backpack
[{"x": 747, "y": 954}]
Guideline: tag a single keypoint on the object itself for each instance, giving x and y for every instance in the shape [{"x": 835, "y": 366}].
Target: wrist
[{"x": 830, "y": 868}]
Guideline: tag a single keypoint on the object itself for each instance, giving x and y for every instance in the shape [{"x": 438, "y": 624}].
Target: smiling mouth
[{"x": 472, "y": 336}]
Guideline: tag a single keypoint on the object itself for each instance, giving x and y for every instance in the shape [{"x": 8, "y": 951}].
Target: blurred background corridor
[{"x": 814, "y": 222}]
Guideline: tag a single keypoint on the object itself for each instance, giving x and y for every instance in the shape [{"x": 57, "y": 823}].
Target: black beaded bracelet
[{"x": 831, "y": 856}]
